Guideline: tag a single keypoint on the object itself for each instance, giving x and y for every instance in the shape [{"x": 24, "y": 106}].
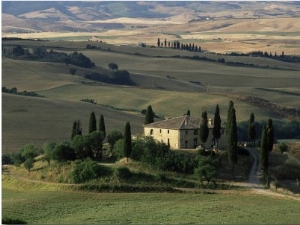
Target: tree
[
  {"x": 102, "y": 125},
  {"x": 217, "y": 126},
  {"x": 29, "y": 151},
  {"x": 149, "y": 118},
  {"x": 28, "y": 164},
  {"x": 63, "y": 152},
  {"x": 113, "y": 66},
  {"x": 251, "y": 129},
  {"x": 206, "y": 169},
  {"x": 48, "y": 151},
  {"x": 264, "y": 153},
  {"x": 283, "y": 147},
  {"x": 188, "y": 112},
  {"x": 158, "y": 42},
  {"x": 204, "y": 131},
  {"x": 270, "y": 135},
  {"x": 127, "y": 141},
  {"x": 92, "y": 123},
  {"x": 231, "y": 129},
  {"x": 77, "y": 129},
  {"x": 72, "y": 71},
  {"x": 96, "y": 143},
  {"x": 113, "y": 137}
]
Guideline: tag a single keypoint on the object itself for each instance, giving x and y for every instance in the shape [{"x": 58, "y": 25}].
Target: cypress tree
[
  {"x": 270, "y": 135},
  {"x": 204, "y": 131},
  {"x": 92, "y": 123},
  {"x": 217, "y": 126},
  {"x": 149, "y": 118},
  {"x": 127, "y": 141},
  {"x": 264, "y": 153},
  {"x": 158, "y": 42},
  {"x": 76, "y": 130},
  {"x": 188, "y": 112},
  {"x": 251, "y": 129},
  {"x": 102, "y": 125},
  {"x": 231, "y": 129}
]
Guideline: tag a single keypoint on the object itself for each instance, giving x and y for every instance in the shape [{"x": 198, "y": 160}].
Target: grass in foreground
[{"x": 61, "y": 207}]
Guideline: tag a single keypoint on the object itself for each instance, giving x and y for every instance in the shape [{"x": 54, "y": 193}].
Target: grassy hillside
[{"x": 37, "y": 120}]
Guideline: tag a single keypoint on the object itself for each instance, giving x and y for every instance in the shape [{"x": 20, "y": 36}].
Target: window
[
  {"x": 186, "y": 144},
  {"x": 186, "y": 132},
  {"x": 159, "y": 130},
  {"x": 195, "y": 142},
  {"x": 151, "y": 132},
  {"x": 168, "y": 131},
  {"x": 196, "y": 132}
]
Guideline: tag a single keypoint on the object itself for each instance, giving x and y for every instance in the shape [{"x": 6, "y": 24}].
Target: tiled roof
[{"x": 178, "y": 123}]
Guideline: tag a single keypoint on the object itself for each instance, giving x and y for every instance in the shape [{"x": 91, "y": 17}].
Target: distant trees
[
  {"x": 252, "y": 129},
  {"x": 149, "y": 118},
  {"x": 113, "y": 66},
  {"x": 178, "y": 45},
  {"x": 217, "y": 126},
  {"x": 231, "y": 132}
]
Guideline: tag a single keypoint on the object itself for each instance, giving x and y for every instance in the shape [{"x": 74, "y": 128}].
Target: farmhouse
[{"x": 181, "y": 132}]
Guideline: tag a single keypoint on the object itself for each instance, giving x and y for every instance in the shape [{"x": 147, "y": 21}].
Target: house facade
[{"x": 182, "y": 132}]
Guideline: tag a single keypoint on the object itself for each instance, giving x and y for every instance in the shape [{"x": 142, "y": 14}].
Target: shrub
[
  {"x": 122, "y": 173},
  {"x": 283, "y": 147},
  {"x": 63, "y": 152},
  {"x": 85, "y": 171},
  {"x": 7, "y": 159},
  {"x": 72, "y": 71},
  {"x": 118, "y": 150}
]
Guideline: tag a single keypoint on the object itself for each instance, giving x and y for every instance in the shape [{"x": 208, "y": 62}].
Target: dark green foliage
[
  {"x": 113, "y": 137},
  {"x": 29, "y": 151},
  {"x": 252, "y": 129},
  {"x": 270, "y": 135},
  {"x": 85, "y": 171},
  {"x": 9, "y": 220},
  {"x": 118, "y": 149},
  {"x": 149, "y": 118},
  {"x": 204, "y": 131},
  {"x": 88, "y": 145},
  {"x": 78, "y": 59},
  {"x": 89, "y": 100},
  {"x": 113, "y": 66},
  {"x": 77, "y": 129},
  {"x": 127, "y": 140},
  {"x": 188, "y": 112},
  {"x": 158, "y": 156},
  {"x": 92, "y": 123},
  {"x": 206, "y": 169},
  {"x": 48, "y": 149},
  {"x": 14, "y": 90},
  {"x": 122, "y": 173},
  {"x": 28, "y": 164},
  {"x": 102, "y": 125},
  {"x": 18, "y": 51},
  {"x": 242, "y": 151},
  {"x": 63, "y": 152},
  {"x": 217, "y": 126},
  {"x": 264, "y": 153},
  {"x": 120, "y": 77},
  {"x": 231, "y": 131},
  {"x": 7, "y": 159},
  {"x": 158, "y": 42},
  {"x": 283, "y": 147},
  {"x": 72, "y": 71},
  {"x": 17, "y": 158}
]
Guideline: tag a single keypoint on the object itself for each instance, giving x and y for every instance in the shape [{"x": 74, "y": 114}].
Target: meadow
[{"x": 69, "y": 207}]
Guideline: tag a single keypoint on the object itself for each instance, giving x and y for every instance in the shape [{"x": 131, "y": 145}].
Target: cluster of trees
[
  {"x": 178, "y": 45},
  {"x": 14, "y": 90},
  {"x": 75, "y": 58},
  {"x": 120, "y": 77}
]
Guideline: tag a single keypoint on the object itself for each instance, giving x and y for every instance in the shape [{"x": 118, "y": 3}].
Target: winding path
[{"x": 254, "y": 183}]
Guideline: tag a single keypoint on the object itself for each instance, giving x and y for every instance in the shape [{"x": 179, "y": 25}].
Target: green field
[{"x": 64, "y": 207}]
